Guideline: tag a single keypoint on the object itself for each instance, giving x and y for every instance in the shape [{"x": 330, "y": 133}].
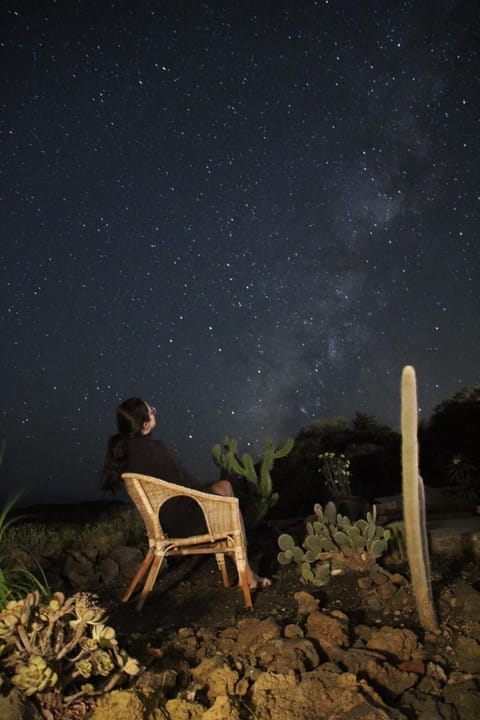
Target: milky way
[{"x": 252, "y": 214}]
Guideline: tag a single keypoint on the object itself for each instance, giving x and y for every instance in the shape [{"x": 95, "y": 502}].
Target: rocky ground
[{"x": 350, "y": 650}]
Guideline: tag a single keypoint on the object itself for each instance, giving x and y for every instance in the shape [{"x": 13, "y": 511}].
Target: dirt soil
[{"x": 190, "y": 593}]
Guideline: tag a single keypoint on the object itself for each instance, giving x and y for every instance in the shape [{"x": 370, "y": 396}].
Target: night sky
[{"x": 252, "y": 214}]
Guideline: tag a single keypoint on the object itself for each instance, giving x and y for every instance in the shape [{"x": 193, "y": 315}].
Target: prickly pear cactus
[{"x": 334, "y": 544}]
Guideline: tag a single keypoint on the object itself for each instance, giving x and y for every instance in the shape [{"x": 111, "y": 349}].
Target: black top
[
  {"x": 180, "y": 517},
  {"x": 152, "y": 457}
]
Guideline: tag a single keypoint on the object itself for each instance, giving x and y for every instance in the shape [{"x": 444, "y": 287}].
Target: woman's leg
[{"x": 224, "y": 487}]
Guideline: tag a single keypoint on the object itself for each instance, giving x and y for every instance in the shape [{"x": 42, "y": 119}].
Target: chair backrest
[{"x": 222, "y": 514}]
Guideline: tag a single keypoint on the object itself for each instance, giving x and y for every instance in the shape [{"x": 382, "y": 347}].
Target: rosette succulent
[
  {"x": 35, "y": 676},
  {"x": 57, "y": 643}
]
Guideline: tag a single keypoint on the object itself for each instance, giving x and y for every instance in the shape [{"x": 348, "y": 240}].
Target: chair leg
[
  {"x": 241, "y": 563},
  {"x": 150, "y": 581},
  {"x": 222, "y": 566},
  {"x": 139, "y": 575},
  {"x": 243, "y": 582}
]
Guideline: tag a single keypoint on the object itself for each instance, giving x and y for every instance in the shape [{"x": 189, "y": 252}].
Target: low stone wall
[
  {"x": 455, "y": 537},
  {"x": 107, "y": 561}
]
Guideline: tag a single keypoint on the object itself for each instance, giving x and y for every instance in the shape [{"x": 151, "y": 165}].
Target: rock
[
  {"x": 283, "y": 655},
  {"x": 253, "y": 633},
  {"x": 178, "y": 709},
  {"x": 467, "y": 602},
  {"x": 468, "y": 655},
  {"x": 221, "y": 709},
  {"x": 415, "y": 666},
  {"x": 437, "y": 673},
  {"x": 107, "y": 571},
  {"x": 402, "y": 600},
  {"x": 356, "y": 659},
  {"x": 90, "y": 552},
  {"x": 128, "y": 560},
  {"x": 329, "y": 630},
  {"x": 216, "y": 675},
  {"x": 373, "y": 602},
  {"x": 378, "y": 671},
  {"x": 16, "y": 706},
  {"x": 389, "y": 678},
  {"x": 306, "y": 602},
  {"x": 317, "y": 695},
  {"x": 293, "y": 631},
  {"x": 365, "y": 583},
  {"x": 399, "y": 643},
  {"x": 78, "y": 571},
  {"x": 364, "y": 632},
  {"x": 426, "y": 707},
  {"x": 466, "y": 699},
  {"x": 153, "y": 686},
  {"x": 367, "y": 712},
  {"x": 100, "y": 562},
  {"x": 119, "y": 704},
  {"x": 386, "y": 591}
]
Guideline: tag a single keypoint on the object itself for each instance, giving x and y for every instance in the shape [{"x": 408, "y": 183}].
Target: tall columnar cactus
[
  {"x": 259, "y": 483},
  {"x": 414, "y": 504}
]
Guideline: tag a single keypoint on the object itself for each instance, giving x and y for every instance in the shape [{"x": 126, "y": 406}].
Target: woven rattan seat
[{"x": 224, "y": 532}]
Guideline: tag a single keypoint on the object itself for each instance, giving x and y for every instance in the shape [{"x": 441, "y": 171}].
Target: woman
[{"x": 133, "y": 449}]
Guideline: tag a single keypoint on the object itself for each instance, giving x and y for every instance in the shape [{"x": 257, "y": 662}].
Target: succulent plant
[
  {"x": 57, "y": 643},
  {"x": 334, "y": 544},
  {"x": 35, "y": 676}
]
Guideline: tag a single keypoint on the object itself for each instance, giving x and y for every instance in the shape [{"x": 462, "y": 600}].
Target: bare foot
[{"x": 259, "y": 582}]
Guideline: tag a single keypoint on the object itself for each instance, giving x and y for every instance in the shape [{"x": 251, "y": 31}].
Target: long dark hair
[{"x": 131, "y": 417}]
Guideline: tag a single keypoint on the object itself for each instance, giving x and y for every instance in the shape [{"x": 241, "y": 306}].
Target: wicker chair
[{"x": 224, "y": 532}]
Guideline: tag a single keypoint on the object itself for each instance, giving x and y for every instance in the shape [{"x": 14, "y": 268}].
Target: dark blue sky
[{"x": 253, "y": 214}]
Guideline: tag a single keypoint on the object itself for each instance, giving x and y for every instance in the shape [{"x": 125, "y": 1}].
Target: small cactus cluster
[
  {"x": 334, "y": 545},
  {"x": 260, "y": 485},
  {"x": 57, "y": 644}
]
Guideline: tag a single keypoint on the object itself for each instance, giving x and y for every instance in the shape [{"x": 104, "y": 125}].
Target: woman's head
[{"x": 135, "y": 417}]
